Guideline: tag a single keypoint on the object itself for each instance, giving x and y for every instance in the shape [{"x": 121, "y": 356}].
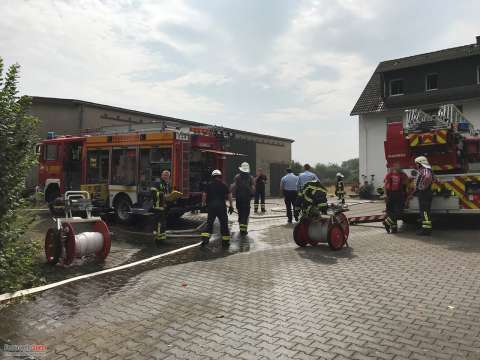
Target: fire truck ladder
[
  {"x": 418, "y": 119},
  {"x": 454, "y": 117}
]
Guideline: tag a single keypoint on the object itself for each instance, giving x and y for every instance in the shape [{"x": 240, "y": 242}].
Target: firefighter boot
[
  {"x": 426, "y": 229},
  {"x": 205, "y": 238},
  {"x": 160, "y": 235},
  {"x": 394, "y": 227},
  {"x": 263, "y": 208},
  {"x": 387, "y": 224},
  {"x": 225, "y": 241},
  {"x": 255, "y": 208},
  {"x": 243, "y": 229}
]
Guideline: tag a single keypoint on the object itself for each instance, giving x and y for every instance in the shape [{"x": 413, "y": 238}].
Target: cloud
[{"x": 292, "y": 68}]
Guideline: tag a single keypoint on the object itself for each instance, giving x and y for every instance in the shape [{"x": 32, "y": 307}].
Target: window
[
  {"x": 152, "y": 162},
  {"x": 396, "y": 87},
  {"x": 478, "y": 74},
  {"x": 51, "y": 152},
  {"x": 97, "y": 166},
  {"x": 431, "y": 82},
  {"x": 124, "y": 166},
  {"x": 158, "y": 155}
]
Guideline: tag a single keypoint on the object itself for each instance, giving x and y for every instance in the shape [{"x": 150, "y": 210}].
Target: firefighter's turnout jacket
[
  {"x": 159, "y": 194},
  {"x": 312, "y": 199},
  {"x": 340, "y": 190}
]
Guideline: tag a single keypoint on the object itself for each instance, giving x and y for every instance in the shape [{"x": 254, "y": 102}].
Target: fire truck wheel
[
  {"x": 300, "y": 233},
  {"x": 122, "y": 206},
  {"x": 336, "y": 237},
  {"x": 53, "y": 246}
]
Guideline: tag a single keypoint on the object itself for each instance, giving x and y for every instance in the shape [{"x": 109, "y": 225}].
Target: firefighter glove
[{"x": 230, "y": 210}]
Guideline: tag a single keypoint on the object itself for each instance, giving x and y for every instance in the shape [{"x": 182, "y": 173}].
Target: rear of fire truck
[{"x": 452, "y": 146}]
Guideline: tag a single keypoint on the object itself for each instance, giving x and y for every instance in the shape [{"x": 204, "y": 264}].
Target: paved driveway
[{"x": 385, "y": 297}]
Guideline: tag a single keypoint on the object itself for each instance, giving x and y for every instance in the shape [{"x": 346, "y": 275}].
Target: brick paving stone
[{"x": 385, "y": 297}]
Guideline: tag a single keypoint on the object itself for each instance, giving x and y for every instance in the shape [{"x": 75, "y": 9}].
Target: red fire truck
[
  {"x": 117, "y": 167},
  {"x": 452, "y": 146}
]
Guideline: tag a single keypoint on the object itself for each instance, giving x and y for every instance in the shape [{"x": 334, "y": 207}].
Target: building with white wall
[{"x": 424, "y": 81}]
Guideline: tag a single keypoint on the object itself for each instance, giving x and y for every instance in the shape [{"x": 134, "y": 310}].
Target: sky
[{"x": 288, "y": 68}]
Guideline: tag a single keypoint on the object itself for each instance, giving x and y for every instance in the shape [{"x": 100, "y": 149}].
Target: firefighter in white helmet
[
  {"x": 340, "y": 188},
  {"x": 423, "y": 190},
  {"x": 244, "y": 187},
  {"x": 214, "y": 197}
]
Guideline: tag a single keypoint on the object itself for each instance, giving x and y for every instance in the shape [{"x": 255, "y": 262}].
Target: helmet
[
  {"x": 216, "y": 172},
  {"x": 422, "y": 160},
  {"x": 340, "y": 175},
  {"x": 245, "y": 167}
]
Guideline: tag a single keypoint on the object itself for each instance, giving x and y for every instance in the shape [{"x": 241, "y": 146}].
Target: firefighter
[
  {"x": 395, "y": 184},
  {"x": 243, "y": 187},
  {"x": 159, "y": 192},
  {"x": 312, "y": 200},
  {"x": 260, "y": 181},
  {"x": 214, "y": 198},
  {"x": 423, "y": 190},
  {"x": 340, "y": 188}
]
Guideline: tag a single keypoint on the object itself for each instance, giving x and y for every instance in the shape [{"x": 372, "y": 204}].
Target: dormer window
[
  {"x": 396, "y": 87},
  {"x": 431, "y": 82}
]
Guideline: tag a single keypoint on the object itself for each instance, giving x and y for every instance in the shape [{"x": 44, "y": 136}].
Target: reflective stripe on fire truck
[
  {"x": 457, "y": 186},
  {"x": 442, "y": 167},
  {"x": 438, "y": 137}
]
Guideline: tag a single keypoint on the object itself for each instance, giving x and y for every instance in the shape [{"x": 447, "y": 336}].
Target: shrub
[{"x": 17, "y": 156}]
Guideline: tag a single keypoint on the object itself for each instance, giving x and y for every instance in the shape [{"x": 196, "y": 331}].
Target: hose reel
[{"x": 63, "y": 244}]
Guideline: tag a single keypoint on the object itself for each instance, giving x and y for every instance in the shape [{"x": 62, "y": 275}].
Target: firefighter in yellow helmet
[
  {"x": 423, "y": 190},
  {"x": 159, "y": 192}
]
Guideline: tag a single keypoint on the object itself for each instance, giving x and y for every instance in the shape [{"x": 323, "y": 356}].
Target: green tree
[
  {"x": 17, "y": 156},
  {"x": 351, "y": 168},
  {"x": 328, "y": 172},
  {"x": 296, "y": 167}
]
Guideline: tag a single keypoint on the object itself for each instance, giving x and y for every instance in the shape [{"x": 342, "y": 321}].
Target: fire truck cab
[
  {"x": 119, "y": 168},
  {"x": 60, "y": 165}
]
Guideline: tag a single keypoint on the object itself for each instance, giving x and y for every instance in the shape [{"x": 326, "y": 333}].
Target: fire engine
[
  {"x": 452, "y": 146},
  {"x": 117, "y": 167}
]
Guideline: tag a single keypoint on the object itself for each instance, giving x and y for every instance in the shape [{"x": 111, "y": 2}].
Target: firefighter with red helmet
[{"x": 395, "y": 183}]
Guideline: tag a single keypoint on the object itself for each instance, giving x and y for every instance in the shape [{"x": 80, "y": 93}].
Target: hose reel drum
[
  {"x": 332, "y": 229},
  {"x": 64, "y": 244}
]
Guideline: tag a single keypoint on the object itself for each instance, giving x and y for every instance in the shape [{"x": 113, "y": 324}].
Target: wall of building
[
  {"x": 61, "y": 118},
  {"x": 95, "y": 117},
  {"x": 268, "y": 154},
  {"x": 471, "y": 110},
  {"x": 453, "y": 73},
  {"x": 372, "y": 130}
]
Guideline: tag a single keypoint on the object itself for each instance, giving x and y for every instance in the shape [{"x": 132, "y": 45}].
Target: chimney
[{"x": 478, "y": 40}]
